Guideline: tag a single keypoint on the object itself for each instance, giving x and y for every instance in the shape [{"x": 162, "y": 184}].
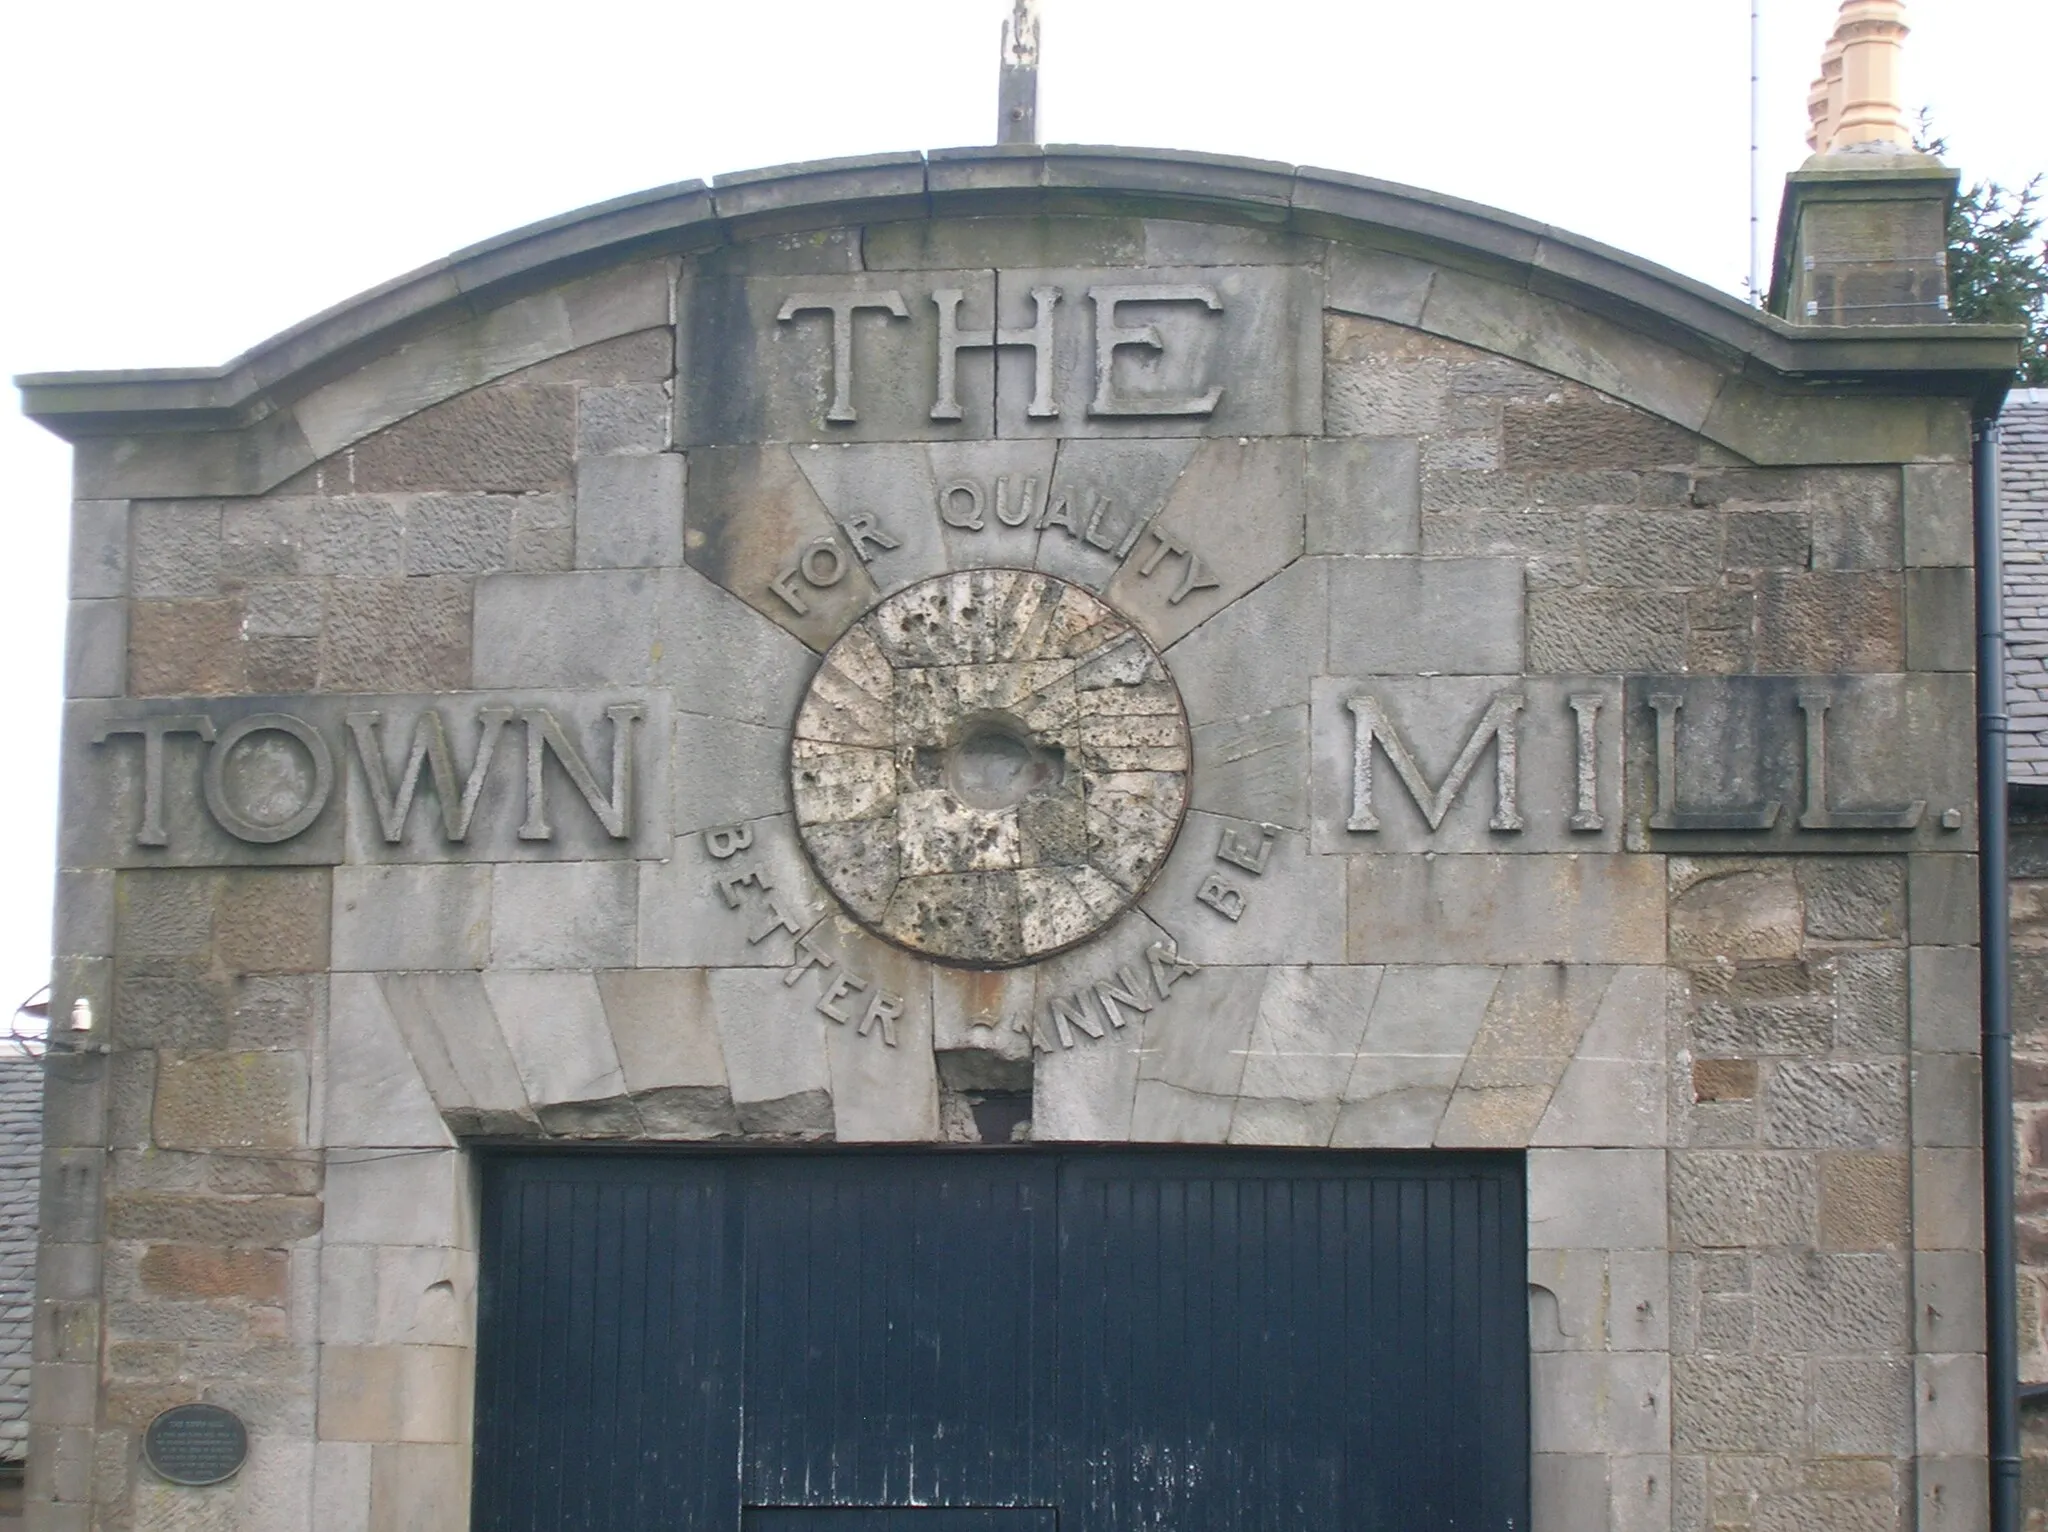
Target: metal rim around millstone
[{"x": 990, "y": 767}]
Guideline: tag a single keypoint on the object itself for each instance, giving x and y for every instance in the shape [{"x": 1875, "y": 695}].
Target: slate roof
[
  {"x": 2023, "y": 491},
  {"x": 21, "y": 1141}
]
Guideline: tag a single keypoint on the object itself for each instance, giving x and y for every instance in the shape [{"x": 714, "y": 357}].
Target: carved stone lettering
[
  {"x": 1222, "y": 896},
  {"x": 841, "y": 307},
  {"x": 728, "y": 840},
  {"x": 1819, "y": 814},
  {"x": 151, "y": 831},
  {"x": 952, "y": 341},
  {"x": 1495, "y": 726},
  {"x": 1586, "y": 816},
  {"x": 1194, "y": 574},
  {"x": 457, "y": 795},
  {"x": 1111, "y": 337},
  {"x": 614, "y": 810},
  {"x": 1668, "y": 815},
  {"x": 258, "y": 790},
  {"x": 1232, "y": 847}
]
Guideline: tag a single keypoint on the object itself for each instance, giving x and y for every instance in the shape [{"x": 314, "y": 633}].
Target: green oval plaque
[{"x": 196, "y": 1444}]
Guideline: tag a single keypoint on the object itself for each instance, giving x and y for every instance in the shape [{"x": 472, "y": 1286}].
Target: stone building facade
[
  {"x": 21, "y": 1132},
  {"x": 1075, "y": 646}
]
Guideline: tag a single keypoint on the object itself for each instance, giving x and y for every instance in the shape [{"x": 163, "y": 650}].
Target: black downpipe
[{"x": 2001, "y": 1281}]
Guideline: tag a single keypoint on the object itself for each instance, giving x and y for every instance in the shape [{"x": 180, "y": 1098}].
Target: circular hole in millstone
[{"x": 996, "y": 764}]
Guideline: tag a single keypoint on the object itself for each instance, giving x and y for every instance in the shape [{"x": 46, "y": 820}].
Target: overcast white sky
[{"x": 181, "y": 181}]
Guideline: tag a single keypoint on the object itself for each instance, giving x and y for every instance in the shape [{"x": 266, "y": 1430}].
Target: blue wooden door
[{"x": 1002, "y": 1341}]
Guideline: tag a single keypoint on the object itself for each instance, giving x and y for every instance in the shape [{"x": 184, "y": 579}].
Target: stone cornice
[{"x": 693, "y": 216}]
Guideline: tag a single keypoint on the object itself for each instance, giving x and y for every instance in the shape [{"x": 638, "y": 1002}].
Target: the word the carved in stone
[
  {"x": 847, "y": 998},
  {"x": 1130, "y": 990},
  {"x": 838, "y": 312},
  {"x": 267, "y": 777},
  {"x": 1220, "y": 893}
]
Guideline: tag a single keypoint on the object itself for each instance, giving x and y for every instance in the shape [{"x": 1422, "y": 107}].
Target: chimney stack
[{"x": 1863, "y": 230}]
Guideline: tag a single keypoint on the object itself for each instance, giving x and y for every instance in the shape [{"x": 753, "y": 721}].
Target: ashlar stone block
[
  {"x": 589, "y": 628},
  {"x": 872, "y": 1001},
  {"x": 755, "y": 526},
  {"x": 1426, "y": 616},
  {"x": 1305, "y": 1040},
  {"x": 885, "y": 499},
  {"x": 1533, "y": 1027},
  {"x": 1260, "y": 653},
  {"x": 1587, "y": 1402},
  {"x": 460, "y": 1051},
  {"x": 1255, "y": 768},
  {"x": 1364, "y": 495},
  {"x": 554, "y": 1024},
  {"x": 564, "y": 914},
  {"x": 774, "y": 1045},
  {"x": 1612, "y": 1093},
  {"x": 742, "y": 908},
  {"x": 394, "y": 1393},
  {"x": 1236, "y": 517},
  {"x": 411, "y": 917},
  {"x": 99, "y": 548},
  {"x": 664, "y": 1028},
  {"x": 1506, "y": 909},
  {"x": 1290, "y": 910},
  {"x": 1597, "y": 1199},
  {"x": 232, "y": 1101},
  {"x": 374, "y": 1093},
  {"x": 629, "y": 511},
  {"x": 1191, "y": 1068},
  {"x": 1422, "y": 1026}
]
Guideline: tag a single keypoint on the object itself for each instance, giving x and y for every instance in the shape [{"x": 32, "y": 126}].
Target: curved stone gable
[{"x": 1550, "y": 733}]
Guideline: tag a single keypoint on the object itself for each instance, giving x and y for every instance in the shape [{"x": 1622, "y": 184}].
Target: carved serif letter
[
  {"x": 429, "y": 750},
  {"x": 1668, "y": 815},
  {"x": 842, "y": 307},
  {"x": 1111, "y": 337},
  {"x": 952, "y": 342},
  {"x": 152, "y": 832},
  {"x": 1496, "y": 725},
  {"x": 543, "y": 733},
  {"x": 1818, "y": 813},
  {"x": 221, "y": 805}
]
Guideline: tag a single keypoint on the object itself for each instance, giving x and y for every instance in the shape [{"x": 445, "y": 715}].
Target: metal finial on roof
[{"x": 1017, "y": 95}]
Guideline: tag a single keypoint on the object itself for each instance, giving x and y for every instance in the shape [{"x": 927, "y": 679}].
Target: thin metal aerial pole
[{"x": 1757, "y": 293}]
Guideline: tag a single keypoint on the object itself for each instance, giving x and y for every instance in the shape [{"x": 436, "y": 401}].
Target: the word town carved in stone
[{"x": 265, "y": 778}]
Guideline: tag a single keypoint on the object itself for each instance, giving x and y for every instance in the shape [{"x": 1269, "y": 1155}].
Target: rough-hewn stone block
[
  {"x": 508, "y": 438},
  {"x": 185, "y": 648},
  {"x": 232, "y": 1100},
  {"x": 396, "y": 636},
  {"x": 1507, "y": 909}
]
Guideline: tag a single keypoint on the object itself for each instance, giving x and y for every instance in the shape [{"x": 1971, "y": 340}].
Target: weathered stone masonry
[{"x": 1575, "y": 675}]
